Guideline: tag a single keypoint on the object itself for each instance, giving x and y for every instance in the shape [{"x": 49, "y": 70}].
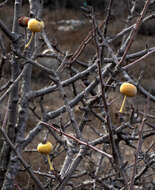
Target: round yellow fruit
[
  {"x": 45, "y": 148},
  {"x": 35, "y": 25},
  {"x": 128, "y": 89}
]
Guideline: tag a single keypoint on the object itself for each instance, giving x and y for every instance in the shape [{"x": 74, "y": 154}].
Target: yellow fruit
[
  {"x": 128, "y": 89},
  {"x": 45, "y": 148},
  {"x": 35, "y": 25}
]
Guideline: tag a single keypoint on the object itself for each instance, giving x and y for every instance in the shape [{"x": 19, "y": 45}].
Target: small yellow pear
[
  {"x": 45, "y": 148},
  {"x": 127, "y": 89},
  {"x": 35, "y": 25}
]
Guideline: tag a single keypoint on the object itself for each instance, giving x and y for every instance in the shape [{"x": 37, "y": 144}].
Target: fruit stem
[
  {"x": 29, "y": 42},
  {"x": 123, "y": 103},
  {"x": 49, "y": 162}
]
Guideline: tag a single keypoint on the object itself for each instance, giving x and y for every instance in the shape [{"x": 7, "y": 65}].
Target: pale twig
[
  {"x": 34, "y": 63},
  {"x": 23, "y": 162},
  {"x": 5, "y": 119},
  {"x": 12, "y": 85},
  {"x": 3, "y": 3},
  {"x": 12, "y": 36}
]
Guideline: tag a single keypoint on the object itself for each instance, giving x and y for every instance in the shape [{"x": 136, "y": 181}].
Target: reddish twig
[
  {"x": 107, "y": 17},
  {"x": 140, "y": 59},
  {"x": 76, "y": 139},
  {"x": 84, "y": 43},
  {"x": 134, "y": 32},
  {"x": 17, "y": 186}
]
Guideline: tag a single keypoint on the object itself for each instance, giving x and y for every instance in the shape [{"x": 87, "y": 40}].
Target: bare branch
[
  {"x": 23, "y": 162},
  {"x": 3, "y": 3},
  {"x": 77, "y": 140},
  {"x": 137, "y": 153}
]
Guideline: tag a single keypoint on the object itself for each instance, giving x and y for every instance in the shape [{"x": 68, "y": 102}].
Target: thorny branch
[
  {"x": 137, "y": 153},
  {"x": 26, "y": 166},
  {"x": 83, "y": 141},
  {"x": 78, "y": 140},
  {"x": 129, "y": 41}
]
